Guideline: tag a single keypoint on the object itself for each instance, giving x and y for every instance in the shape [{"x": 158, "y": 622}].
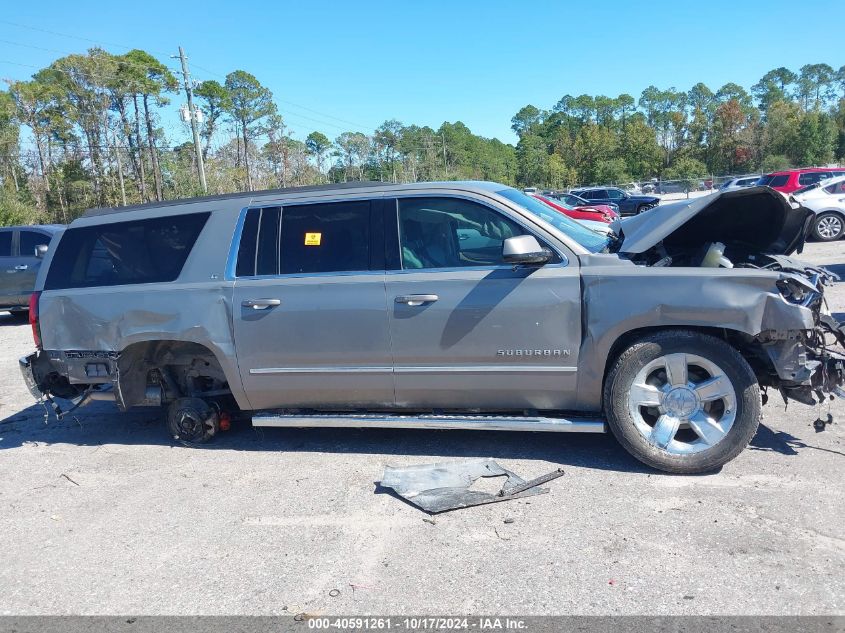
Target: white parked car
[
  {"x": 827, "y": 200},
  {"x": 739, "y": 183}
]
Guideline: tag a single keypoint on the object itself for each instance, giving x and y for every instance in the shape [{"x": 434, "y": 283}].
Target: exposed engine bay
[{"x": 755, "y": 228}]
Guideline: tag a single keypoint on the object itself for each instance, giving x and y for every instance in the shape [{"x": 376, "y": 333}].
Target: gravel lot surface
[{"x": 102, "y": 514}]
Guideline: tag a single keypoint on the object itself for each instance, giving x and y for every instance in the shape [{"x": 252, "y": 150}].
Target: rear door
[
  {"x": 468, "y": 331},
  {"x": 310, "y": 314}
]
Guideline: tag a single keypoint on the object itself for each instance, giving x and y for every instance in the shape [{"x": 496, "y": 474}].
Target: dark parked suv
[
  {"x": 21, "y": 250},
  {"x": 628, "y": 204}
]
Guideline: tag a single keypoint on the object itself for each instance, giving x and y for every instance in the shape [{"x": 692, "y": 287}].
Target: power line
[
  {"x": 95, "y": 77},
  {"x": 99, "y": 77},
  {"x": 85, "y": 39},
  {"x": 100, "y": 42},
  {"x": 68, "y": 35},
  {"x": 296, "y": 105}
]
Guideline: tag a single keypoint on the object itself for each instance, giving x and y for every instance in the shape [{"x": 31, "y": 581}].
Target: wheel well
[
  {"x": 745, "y": 344},
  {"x": 172, "y": 369}
]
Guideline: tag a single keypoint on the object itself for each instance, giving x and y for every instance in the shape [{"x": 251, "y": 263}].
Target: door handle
[
  {"x": 21, "y": 267},
  {"x": 416, "y": 300},
  {"x": 260, "y": 304}
]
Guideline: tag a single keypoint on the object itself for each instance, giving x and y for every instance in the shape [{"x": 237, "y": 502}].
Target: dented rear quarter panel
[
  {"x": 619, "y": 297},
  {"x": 195, "y": 308}
]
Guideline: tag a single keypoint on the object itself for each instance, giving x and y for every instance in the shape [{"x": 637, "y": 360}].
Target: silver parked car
[
  {"x": 827, "y": 200},
  {"x": 739, "y": 183},
  {"x": 21, "y": 251},
  {"x": 440, "y": 305}
]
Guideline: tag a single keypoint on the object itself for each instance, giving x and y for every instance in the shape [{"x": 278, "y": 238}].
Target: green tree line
[
  {"x": 787, "y": 119},
  {"x": 87, "y": 131}
]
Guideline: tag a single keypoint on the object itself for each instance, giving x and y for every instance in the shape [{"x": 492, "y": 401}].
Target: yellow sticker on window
[{"x": 313, "y": 239}]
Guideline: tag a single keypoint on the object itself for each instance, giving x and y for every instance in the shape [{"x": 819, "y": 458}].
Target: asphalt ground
[{"x": 101, "y": 513}]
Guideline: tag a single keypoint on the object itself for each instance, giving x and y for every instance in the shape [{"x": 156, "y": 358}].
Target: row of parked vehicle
[
  {"x": 596, "y": 204},
  {"x": 819, "y": 189}
]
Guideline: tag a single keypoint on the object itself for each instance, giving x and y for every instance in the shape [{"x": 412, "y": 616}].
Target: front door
[
  {"x": 467, "y": 331},
  {"x": 28, "y": 263},
  {"x": 310, "y": 314},
  {"x": 8, "y": 283}
]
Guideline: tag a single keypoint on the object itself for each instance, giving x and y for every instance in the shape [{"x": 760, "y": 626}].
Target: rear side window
[
  {"x": 778, "y": 181},
  {"x": 29, "y": 240},
  {"x": 811, "y": 177},
  {"x": 314, "y": 238},
  {"x": 5, "y": 243},
  {"x": 136, "y": 252}
]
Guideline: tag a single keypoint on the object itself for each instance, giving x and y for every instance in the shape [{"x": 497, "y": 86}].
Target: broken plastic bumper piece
[
  {"x": 446, "y": 486},
  {"x": 25, "y": 365}
]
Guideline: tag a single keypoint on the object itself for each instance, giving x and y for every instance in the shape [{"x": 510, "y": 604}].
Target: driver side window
[{"x": 451, "y": 233}]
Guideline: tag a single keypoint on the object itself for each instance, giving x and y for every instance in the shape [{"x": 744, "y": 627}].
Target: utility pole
[
  {"x": 445, "y": 166},
  {"x": 190, "y": 92}
]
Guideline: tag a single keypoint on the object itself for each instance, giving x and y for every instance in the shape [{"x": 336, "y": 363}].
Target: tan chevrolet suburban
[{"x": 441, "y": 305}]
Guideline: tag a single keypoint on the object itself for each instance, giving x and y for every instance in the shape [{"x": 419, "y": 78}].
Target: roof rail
[{"x": 228, "y": 196}]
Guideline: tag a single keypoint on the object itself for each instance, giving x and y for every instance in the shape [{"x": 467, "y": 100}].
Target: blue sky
[{"x": 336, "y": 66}]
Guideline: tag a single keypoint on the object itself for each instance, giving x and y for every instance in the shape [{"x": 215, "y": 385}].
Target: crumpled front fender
[{"x": 620, "y": 299}]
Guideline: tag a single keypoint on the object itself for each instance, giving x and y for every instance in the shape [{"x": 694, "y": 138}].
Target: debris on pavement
[
  {"x": 504, "y": 538},
  {"x": 69, "y": 479},
  {"x": 447, "y": 486}
]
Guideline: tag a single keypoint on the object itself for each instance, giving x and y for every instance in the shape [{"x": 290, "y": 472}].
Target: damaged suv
[{"x": 440, "y": 305}]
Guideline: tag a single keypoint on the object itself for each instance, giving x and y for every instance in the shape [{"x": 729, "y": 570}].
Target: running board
[{"x": 431, "y": 421}]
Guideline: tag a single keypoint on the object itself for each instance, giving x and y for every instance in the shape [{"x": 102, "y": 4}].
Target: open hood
[{"x": 755, "y": 220}]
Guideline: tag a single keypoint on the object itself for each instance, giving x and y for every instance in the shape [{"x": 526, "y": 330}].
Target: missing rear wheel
[{"x": 192, "y": 420}]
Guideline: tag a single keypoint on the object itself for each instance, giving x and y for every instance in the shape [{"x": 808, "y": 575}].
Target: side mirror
[
  {"x": 524, "y": 249},
  {"x": 41, "y": 251}
]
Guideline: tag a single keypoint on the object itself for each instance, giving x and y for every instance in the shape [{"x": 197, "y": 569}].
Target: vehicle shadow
[
  {"x": 14, "y": 318},
  {"x": 836, "y": 269},
  {"x": 100, "y": 423},
  {"x": 781, "y": 442}
]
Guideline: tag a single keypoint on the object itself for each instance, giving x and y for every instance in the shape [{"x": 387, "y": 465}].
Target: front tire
[
  {"x": 682, "y": 401},
  {"x": 829, "y": 227}
]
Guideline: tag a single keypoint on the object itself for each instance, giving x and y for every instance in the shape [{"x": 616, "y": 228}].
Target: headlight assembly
[{"x": 797, "y": 290}]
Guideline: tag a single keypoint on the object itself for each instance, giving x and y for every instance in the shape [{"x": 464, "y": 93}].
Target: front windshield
[
  {"x": 592, "y": 241},
  {"x": 556, "y": 201},
  {"x": 574, "y": 201}
]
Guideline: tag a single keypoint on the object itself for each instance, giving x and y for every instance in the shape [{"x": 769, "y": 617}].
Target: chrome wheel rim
[
  {"x": 682, "y": 403},
  {"x": 829, "y": 226}
]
